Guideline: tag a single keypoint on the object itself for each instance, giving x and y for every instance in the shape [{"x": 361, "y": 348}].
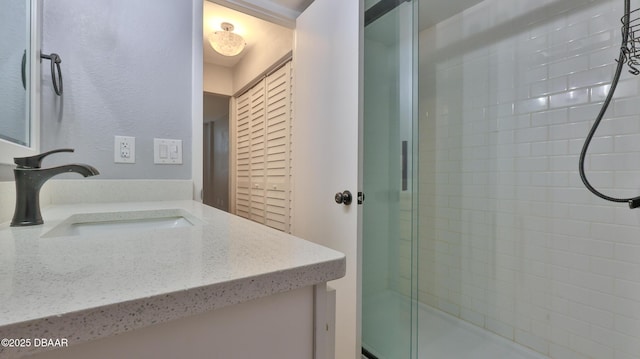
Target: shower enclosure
[
  {"x": 479, "y": 239},
  {"x": 389, "y": 320}
]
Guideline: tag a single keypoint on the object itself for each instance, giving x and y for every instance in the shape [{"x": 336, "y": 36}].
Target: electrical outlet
[{"x": 124, "y": 150}]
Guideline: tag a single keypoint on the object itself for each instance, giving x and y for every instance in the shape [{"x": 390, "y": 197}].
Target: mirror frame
[{"x": 9, "y": 150}]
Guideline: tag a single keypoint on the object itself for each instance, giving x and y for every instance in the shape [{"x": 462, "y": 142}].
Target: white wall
[
  {"x": 127, "y": 70},
  {"x": 510, "y": 240},
  {"x": 217, "y": 79},
  {"x": 261, "y": 55}
]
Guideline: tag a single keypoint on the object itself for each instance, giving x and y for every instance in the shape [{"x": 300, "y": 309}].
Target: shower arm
[{"x": 633, "y": 202}]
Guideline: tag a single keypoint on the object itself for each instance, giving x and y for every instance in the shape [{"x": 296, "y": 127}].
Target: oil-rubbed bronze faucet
[{"x": 30, "y": 178}]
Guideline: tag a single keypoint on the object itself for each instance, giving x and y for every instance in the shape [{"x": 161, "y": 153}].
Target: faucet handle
[{"x": 36, "y": 161}]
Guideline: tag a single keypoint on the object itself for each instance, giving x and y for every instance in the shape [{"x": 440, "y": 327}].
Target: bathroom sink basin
[{"x": 96, "y": 223}]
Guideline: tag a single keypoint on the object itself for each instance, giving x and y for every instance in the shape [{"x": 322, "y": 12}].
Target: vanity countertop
[{"x": 86, "y": 287}]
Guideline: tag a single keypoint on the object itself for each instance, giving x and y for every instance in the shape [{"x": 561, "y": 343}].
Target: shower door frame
[{"x": 375, "y": 12}]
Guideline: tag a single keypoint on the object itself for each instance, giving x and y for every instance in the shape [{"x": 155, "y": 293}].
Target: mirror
[{"x": 19, "y": 79}]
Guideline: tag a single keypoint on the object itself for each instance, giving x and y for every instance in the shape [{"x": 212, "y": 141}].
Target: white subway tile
[
  {"x": 611, "y": 162},
  {"x": 602, "y": 23},
  {"x": 590, "y": 348},
  {"x": 532, "y": 134},
  {"x": 472, "y": 317},
  {"x": 627, "y": 326},
  {"x": 619, "y": 126},
  {"x": 627, "y": 143},
  {"x": 598, "y": 145},
  {"x": 556, "y": 53},
  {"x": 598, "y": 40},
  {"x": 538, "y": 31},
  {"x": 576, "y": 30},
  {"x": 612, "y": 268},
  {"x": 626, "y": 107},
  {"x": 574, "y": 326},
  {"x": 532, "y": 105},
  {"x": 500, "y": 328},
  {"x": 569, "y": 98},
  {"x": 624, "y": 306},
  {"x": 591, "y": 281},
  {"x": 604, "y": 57},
  {"x": 589, "y": 246},
  {"x": 599, "y": 317},
  {"x": 570, "y": 227},
  {"x": 532, "y": 341},
  {"x": 557, "y": 351},
  {"x": 621, "y": 355},
  {"x": 559, "y": 273},
  {"x": 558, "y": 336},
  {"x": 585, "y": 113},
  {"x": 624, "y": 89},
  {"x": 530, "y": 164},
  {"x": 574, "y": 130},
  {"x": 623, "y": 215},
  {"x": 595, "y": 76},
  {"x": 449, "y": 307},
  {"x": 624, "y": 346},
  {"x": 600, "y": 93},
  {"x": 569, "y": 195},
  {"x": 628, "y": 180},
  {"x": 629, "y": 290},
  {"x": 629, "y": 253},
  {"x": 563, "y": 163},
  {"x": 569, "y": 66}
]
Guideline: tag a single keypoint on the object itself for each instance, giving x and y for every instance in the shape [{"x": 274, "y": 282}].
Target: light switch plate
[
  {"x": 124, "y": 149},
  {"x": 167, "y": 151}
]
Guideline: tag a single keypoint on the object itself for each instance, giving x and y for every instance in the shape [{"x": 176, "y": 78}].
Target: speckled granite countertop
[{"x": 86, "y": 287}]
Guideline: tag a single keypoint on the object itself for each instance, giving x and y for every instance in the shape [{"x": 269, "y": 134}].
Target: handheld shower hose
[{"x": 628, "y": 55}]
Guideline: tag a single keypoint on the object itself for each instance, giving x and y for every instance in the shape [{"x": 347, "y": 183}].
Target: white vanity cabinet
[
  {"x": 224, "y": 287},
  {"x": 274, "y": 327}
]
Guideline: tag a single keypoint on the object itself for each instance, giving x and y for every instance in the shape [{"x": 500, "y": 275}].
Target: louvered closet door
[
  {"x": 243, "y": 155},
  {"x": 257, "y": 155},
  {"x": 278, "y": 124},
  {"x": 263, "y": 155}
]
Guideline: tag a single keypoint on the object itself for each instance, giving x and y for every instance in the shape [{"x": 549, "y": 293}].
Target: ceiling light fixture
[{"x": 226, "y": 42}]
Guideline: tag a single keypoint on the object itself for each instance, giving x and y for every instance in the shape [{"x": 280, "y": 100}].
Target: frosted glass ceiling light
[{"x": 226, "y": 42}]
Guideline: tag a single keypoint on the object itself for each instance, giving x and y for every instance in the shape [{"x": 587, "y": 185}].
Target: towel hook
[{"x": 55, "y": 63}]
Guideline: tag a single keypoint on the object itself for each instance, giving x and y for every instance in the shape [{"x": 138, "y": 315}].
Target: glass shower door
[{"x": 389, "y": 282}]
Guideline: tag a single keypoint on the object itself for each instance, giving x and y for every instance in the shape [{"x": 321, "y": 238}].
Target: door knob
[{"x": 344, "y": 198}]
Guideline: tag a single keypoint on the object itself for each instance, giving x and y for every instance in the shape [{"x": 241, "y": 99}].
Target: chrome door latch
[{"x": 344, "y": 198}]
